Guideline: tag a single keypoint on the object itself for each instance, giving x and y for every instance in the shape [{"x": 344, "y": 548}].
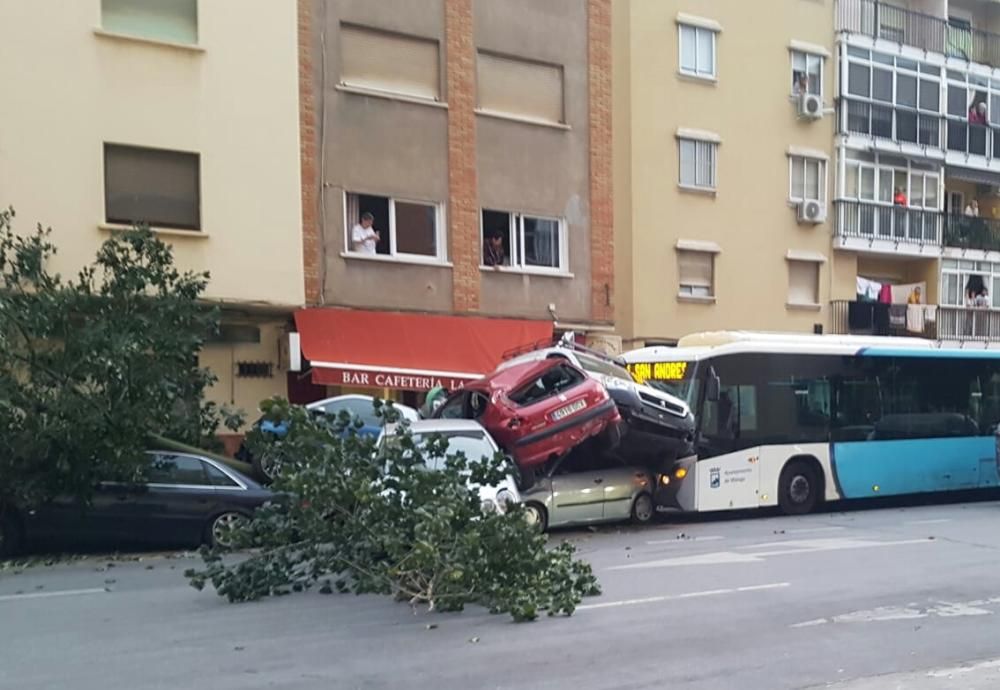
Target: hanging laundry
[
  {"x": 885, "y": 294},
  {"x": 868, "y": 290},
  {"x": 897, "y": 317},
  {"x": 911, "y": 293},
  {"x": 915, "y": 318}
]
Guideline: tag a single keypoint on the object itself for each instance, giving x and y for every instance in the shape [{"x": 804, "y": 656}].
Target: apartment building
[
  {"x": 173, "y": 114},
  {"x": 918, "y": 180},
  {"x": 723, "y": 166},
  {"x": 457, "y": 187}
]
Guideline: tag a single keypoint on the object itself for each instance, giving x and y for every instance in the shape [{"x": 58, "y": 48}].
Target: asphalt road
[{"x": 895, "y": 597}]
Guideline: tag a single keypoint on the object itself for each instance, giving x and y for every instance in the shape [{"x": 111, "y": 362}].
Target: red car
[{"x": 538, "y": 411}]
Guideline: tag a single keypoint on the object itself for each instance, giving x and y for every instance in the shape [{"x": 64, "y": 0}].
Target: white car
[
  {"x": 468, "y": 437},
  {"x": 360, "y": 407}
]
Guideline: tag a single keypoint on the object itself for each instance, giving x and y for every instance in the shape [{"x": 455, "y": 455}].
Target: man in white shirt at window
[{"x": 364, "y": 238}]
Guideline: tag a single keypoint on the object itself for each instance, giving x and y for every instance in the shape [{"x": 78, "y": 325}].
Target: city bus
[{"x": 794, "y": 421}]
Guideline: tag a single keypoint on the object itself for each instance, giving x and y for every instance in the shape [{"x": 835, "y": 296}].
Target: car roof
[
  {"x": 404, "y": 410},
  {"x": 441, "y": 426},
  {"x": 515, "y": 374}
]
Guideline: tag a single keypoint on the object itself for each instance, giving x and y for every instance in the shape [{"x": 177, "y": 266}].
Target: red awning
[{"x": 374, "y": 349}]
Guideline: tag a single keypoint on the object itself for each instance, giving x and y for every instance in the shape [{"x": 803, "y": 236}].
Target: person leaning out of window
[
  {"x": 493, "y": 251},
  {"x": 364, "y": 238}
]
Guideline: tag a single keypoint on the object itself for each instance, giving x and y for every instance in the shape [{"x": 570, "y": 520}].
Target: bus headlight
[{"x": 664, "y": 480}]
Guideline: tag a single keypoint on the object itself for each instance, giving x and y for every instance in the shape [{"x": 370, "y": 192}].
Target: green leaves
[
  {"x": 376, "y": 520},
  {"x": 90, "y": 365}
]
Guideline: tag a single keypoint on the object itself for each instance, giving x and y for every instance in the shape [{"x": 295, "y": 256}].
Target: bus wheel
[{"x": 799, "y": 488}]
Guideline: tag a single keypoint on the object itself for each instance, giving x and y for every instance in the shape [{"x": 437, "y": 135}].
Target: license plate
[{"x": 564, "y": 412}]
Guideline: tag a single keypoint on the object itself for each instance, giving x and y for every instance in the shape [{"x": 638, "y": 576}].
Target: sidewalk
[{"x": 983, "y": 675}]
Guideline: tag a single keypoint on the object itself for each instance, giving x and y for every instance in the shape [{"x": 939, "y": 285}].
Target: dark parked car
[
  {"x": 538, "y": 411},
  {"x": 188, "y": 500}
]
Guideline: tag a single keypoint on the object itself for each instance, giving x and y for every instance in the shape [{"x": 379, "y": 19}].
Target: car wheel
[
  {"x": 219, "y": 532},
  {"x": 643, "y": 509},
  {"x": 10, "y": 537},
  {"x": 536, "y": 516},
  {"x": 798, "y": 489},
  {"x": 266, "y": 466}
]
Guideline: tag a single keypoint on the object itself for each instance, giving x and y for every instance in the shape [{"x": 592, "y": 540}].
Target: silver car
[{"x": 584, "y": 488}]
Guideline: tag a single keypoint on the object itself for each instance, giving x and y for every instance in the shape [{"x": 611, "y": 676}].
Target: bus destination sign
[{"x": 658, "y": 371}]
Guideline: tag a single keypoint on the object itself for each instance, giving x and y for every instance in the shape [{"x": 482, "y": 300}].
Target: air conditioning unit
[
  {"x": 811, "y": 212},
  {"x": 810, "y": 106}
]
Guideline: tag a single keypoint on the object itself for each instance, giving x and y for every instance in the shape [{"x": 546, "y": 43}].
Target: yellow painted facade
[
  {"x": 72, "y": 83},
  {"x": 748, "y": 221}
]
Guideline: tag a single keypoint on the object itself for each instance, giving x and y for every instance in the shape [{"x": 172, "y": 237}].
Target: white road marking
[
  {"x": 684, "y": 541},
  {"x": 961, "y": 670},
  {"x": 813, "y": 530},
  {"x": 927, "y": 522},
  {"x": 46, "y": 595},
  {"x": 801, "y": 546},
  {"x": 940, "y": 609},
  {"x": 686, "y": 595}
]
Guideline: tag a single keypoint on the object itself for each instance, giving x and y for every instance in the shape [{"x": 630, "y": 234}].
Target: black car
[{"x": 187, "y": 500}]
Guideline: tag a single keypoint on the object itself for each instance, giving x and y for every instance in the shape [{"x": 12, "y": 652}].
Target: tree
[
  {"x": 89, "y": 366},
  {"x": 357, "y": 518}
]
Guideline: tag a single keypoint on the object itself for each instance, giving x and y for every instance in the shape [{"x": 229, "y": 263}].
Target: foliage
[
  {"x": 89, "y": 365},
  {"x": 373, "y": 520}
]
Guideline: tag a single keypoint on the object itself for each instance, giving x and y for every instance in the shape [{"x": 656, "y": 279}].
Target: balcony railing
[
  {"x": 978, "y": 140},
  {"x": 917, "y": 321},
  {"x": 963, "y": 323},
  {"x": 875, "y": 318},
  {"x": 971, "y": 233},
  {"x": 905, "y": 26},
  {"x": 884, "y": 222},
  {"x": 895, "y": 123}
]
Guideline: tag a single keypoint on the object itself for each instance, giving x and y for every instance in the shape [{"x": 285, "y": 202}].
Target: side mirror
[{"x": 713, "y": 386}]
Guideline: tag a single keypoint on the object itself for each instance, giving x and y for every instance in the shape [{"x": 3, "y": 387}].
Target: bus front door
[{"x": 730, "y": 481}]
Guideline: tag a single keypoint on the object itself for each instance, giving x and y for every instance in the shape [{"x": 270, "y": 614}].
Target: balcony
[
  {"x": 897, "y": 224},
  {"x": 972, "y": 233},
  {"x": 875, "y": 318},
  {"x": 947, "y": 323},
  {"x": 927, "y": 32},
  {"x": 893, "y": 123}
]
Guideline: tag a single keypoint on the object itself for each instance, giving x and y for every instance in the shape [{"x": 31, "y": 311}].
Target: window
[
  {"x": 180, "y": 470},
  {"x": 475, "y": 447},
  {"x": 403, "y": 229},
  {"x": 523, "y": 241},
  {"x": 807, "y": 72},
  {"x": 520, "y": 87},
  {"x": 696, "y": 271},
  {"x": 697, "y": 163},
  {"x": 956, "y": 275},
  {"x": 394, "y": 63},
  {"x": 175, "y": 21},
  {"x": 697, "y": 51},
  {"x": 803, "y": 282},
  {"x": 554, "y": 381},
  {"x": 808, "y": 179},
  {"x": 356, "y": 408},
  {"x": 217, "y": 477},
  {"x": 153, "y": 186}
]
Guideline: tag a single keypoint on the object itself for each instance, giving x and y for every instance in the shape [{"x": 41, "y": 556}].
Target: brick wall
[
  {"x": 602, "y": 248},
  {"x": 463, "y": 206},
  {"x": 312, "y": 247}
]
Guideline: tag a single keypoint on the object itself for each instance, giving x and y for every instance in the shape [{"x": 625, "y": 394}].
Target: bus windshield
[{"x": 675, "y": 378}]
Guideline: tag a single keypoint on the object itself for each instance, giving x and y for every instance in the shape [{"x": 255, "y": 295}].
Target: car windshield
[
  {"x": 473, "y": 444},
  {"x": 603, "y": 367},
  {"x": 679, "y": 389}
]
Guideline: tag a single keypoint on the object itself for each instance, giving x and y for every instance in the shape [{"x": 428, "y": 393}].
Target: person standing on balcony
[
  {"x": 977, "y": 113},
  {"x": 972, "y": 209},
  {"x": 899, "y": 198}
]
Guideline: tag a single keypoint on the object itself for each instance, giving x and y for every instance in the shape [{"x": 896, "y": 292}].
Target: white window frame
[
  {"x": 807, "y": 56},
  {"x": 440, "y": 240},
  {"x": 804, "y": 161},
  {"x": 700, "y": 33},
  {"x": 878, "y": 168},
  {"x": 701, "y": 145},
  {"x": 963, "y": 268},
  {"x": 515, "y": 236}
]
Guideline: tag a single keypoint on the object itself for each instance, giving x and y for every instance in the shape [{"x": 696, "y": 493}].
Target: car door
[
  {"x": 620, "y": 483},
  {"x": 102, "y": 520},
  {"x": 177, "y": 502},
  {"x": 577, "y": 491}
]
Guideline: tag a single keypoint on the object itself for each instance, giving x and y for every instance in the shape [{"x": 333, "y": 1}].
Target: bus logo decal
[{"x": 714, "y": 479}]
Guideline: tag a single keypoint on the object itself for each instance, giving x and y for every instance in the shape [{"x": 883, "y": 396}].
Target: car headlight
[
  {"x": 505, "y": 499},
  {"x": 488, "y": 505},
  {"x": 616, "y": 383}
]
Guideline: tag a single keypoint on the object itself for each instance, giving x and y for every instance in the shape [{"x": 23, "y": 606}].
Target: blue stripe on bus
[
  {"x": 880, "y": 468},
  {"x": 935, "y": 353}
]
